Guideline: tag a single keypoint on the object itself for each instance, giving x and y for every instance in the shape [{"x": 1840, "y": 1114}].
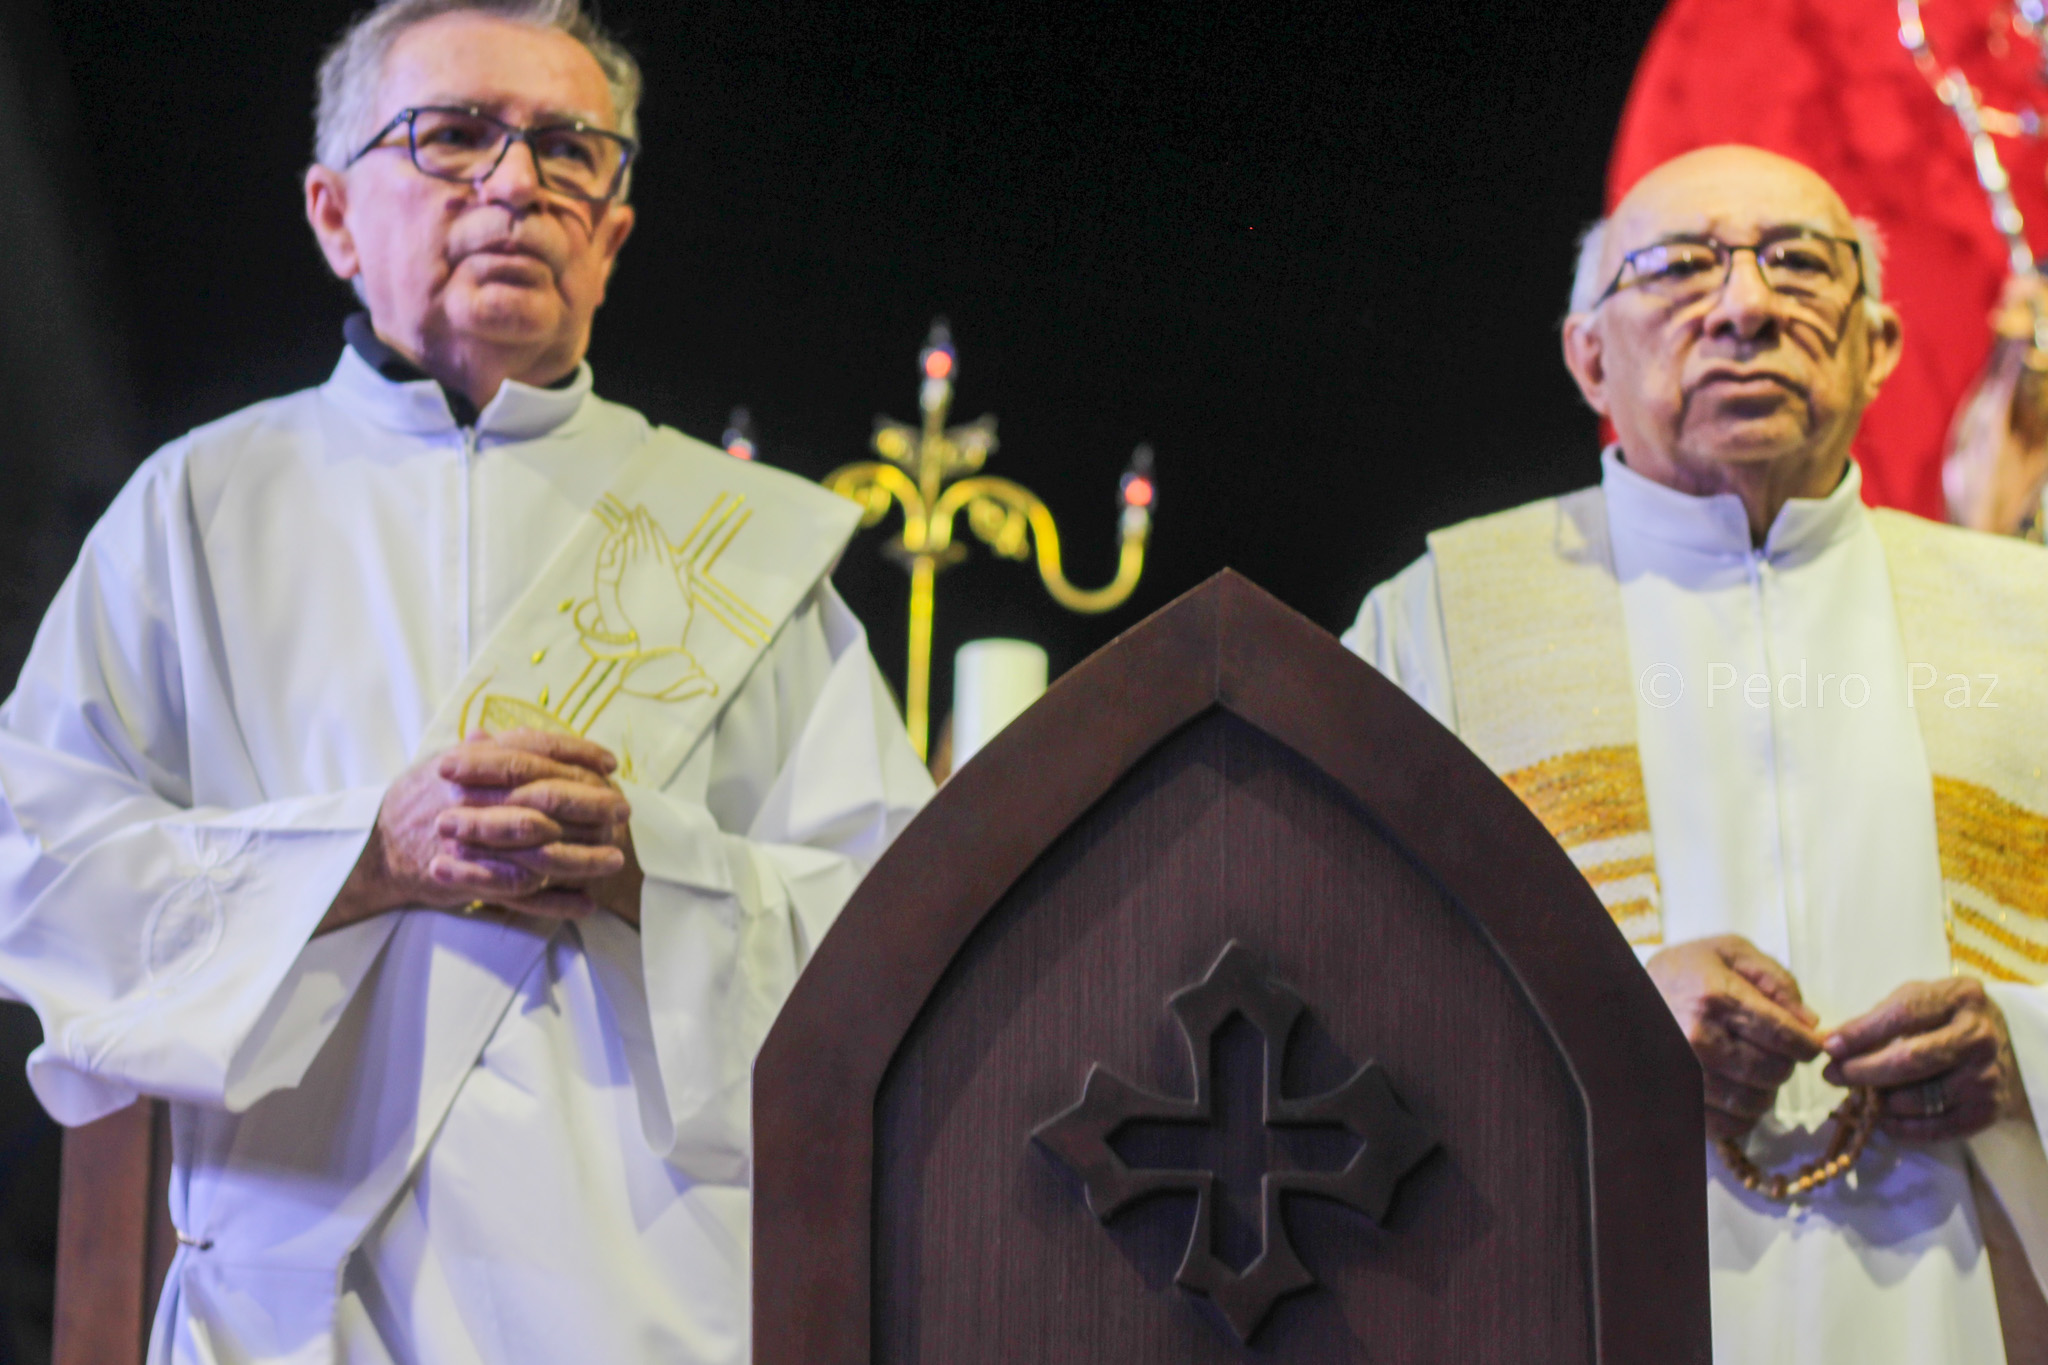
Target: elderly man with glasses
[
  {"x": 1795, "y": 746},
  {"x": 432, "y": 783}
]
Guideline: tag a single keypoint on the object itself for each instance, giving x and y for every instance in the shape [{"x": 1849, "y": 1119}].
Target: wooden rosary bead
[{"x": 1854, "y": 1121}]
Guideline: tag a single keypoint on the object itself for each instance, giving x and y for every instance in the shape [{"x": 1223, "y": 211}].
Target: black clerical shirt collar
[{"x": 392, "y": 366}]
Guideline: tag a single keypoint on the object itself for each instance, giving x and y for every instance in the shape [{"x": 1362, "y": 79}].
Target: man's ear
[
  {"x": 327, "y": 212},
  {"x": 1887, "y": 341},
  {"x": 1584, "y": 357}
]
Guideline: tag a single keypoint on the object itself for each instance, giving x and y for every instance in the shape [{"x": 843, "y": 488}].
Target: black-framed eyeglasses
[
  {"x": 1822, "y": 273},
  {"x": 468, "y": 145}
]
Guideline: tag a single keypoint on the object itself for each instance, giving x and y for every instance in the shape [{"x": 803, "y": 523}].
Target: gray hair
[
  {"x": 1587, "y": 280},
  {"x": 345, "y": 112}
]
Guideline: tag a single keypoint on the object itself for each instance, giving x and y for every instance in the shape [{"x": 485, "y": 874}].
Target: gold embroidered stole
[
  {"x": 1532, "y": 619},
  {"x": 1973, "y": 612},
  {"x": 1539, "y": 664},
  {"x": 656, "y": 608}
]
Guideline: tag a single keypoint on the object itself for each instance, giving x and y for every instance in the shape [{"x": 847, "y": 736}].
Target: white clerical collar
[
  {"x": 519, "y": 412},
  {"x": 1647, "y": 512}
]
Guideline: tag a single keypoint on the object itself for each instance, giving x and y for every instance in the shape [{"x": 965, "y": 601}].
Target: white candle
[{"x": 993, "y": 681}]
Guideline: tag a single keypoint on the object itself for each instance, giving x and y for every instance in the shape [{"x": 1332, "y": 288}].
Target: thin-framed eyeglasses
[
  {"x": 467, "y": 145},
  {"x": 1821, "y": 272}
]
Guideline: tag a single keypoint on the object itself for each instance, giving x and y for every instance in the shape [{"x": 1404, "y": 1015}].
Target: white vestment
[
  {"x": 426, "y": 1137},
  {"x": 1799, "y": 815}
]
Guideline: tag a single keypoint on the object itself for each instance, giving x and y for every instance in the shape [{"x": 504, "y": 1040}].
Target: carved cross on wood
[{"x": 1391, "y": 1141}]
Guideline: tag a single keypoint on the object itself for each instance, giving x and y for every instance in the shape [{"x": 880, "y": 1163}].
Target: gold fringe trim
[
  {"x": 1992, "y": 844},
  {"x": 1595, "y": 794},
  {"x": 1970, "y": 957},
  {"x": 1587, "y": 795},
  {"x": 1636, "y": 909},
  {"x": 1621, "y": 869},
  {"x": 1999, "y": 934}
]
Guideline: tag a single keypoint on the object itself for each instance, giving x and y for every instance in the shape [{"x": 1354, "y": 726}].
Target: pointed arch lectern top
[{"x": 1225, "y": 1007}]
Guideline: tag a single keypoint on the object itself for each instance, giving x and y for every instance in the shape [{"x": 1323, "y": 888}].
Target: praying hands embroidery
[{"x": 646, "y": 594}]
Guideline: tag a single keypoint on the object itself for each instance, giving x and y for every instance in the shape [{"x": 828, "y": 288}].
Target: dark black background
[{"x": 1314, "y": 253}]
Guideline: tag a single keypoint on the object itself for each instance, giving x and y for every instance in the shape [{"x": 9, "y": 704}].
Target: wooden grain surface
[
  {"x": 1443, "y": 822},
  {"x": 1224, "y": 834},
  {"x": 114, "y": 1242}
]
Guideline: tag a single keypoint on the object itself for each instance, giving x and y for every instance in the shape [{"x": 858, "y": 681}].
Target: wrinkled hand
[
  {"x": 2022, "y": 317},
  {"x": 2022, "y": 300},
  {"x": 1940, "y": 1057},
  {"x": 1742, "y": 1014},
  {"x": 528, "y": 821},
  {"x": 1997, "y": 457}
]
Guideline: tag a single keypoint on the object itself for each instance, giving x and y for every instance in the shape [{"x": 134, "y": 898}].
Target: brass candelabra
[{"x": 932, "y": 473}]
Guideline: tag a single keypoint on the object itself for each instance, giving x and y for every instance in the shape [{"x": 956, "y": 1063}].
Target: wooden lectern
[{"x": 1227, "y": 1008}]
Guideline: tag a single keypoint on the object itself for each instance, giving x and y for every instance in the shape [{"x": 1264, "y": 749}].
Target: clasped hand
[
  {"x": 527, "y": 821},
  {"x": 1937, "y": 1052}
]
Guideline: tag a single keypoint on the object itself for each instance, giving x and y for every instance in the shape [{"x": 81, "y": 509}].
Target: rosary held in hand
[{"x": 1853, "y": 1119}]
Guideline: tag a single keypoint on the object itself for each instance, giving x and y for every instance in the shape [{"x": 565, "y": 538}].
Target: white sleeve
[
  {"x": 1400, "y": 631},
  {"x": 815, "y": 779},
  {"x": 163, "y": 946},
  {"x": 2010, "y": 1153}
]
